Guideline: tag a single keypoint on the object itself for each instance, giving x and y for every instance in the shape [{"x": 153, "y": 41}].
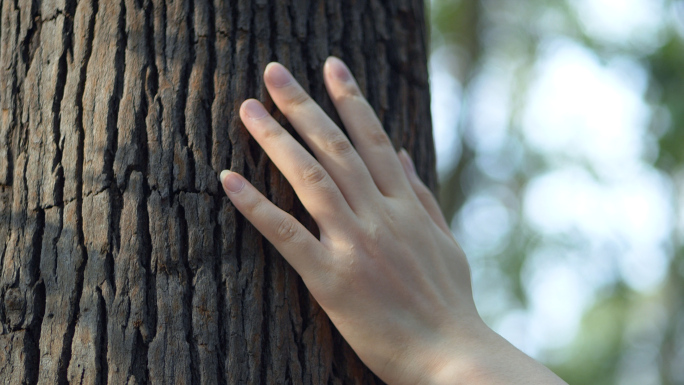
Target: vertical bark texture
[{"x": 121, "y": 260}]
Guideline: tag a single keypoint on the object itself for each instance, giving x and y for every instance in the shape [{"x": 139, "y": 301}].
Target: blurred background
[{"x": 559, "y": 128}]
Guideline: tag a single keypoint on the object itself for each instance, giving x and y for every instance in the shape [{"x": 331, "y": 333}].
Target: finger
[
  {"x": 422, "y": 192},
  {"x": 299, "y": 247},
  {"x": 314, "y": 187},
  {"x": 363, "y": 126},
  {"x": 331, "y": 147}
]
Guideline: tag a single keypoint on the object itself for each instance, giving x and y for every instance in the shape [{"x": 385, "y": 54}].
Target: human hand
[{"x": 386, "y": 268}]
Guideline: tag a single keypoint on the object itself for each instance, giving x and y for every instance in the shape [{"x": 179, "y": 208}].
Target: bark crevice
[{"x": 65, "y": 356}]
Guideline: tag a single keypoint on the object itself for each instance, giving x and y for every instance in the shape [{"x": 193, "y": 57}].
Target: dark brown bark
[{"x": 122, "y": 262}]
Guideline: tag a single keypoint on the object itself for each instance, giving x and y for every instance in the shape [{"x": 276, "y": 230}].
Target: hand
[{"x": 386, "y": 268}]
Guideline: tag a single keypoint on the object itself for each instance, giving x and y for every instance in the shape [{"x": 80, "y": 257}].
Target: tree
[{"x": 122, "y": 260}]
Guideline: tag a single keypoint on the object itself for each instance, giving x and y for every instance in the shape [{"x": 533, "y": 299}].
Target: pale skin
[{"x": 385, "y": 268}]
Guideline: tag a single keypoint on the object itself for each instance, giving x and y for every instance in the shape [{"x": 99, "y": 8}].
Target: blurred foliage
[
  {"x": 667, "y": 71},
  {"x": 617, "y": 336}
]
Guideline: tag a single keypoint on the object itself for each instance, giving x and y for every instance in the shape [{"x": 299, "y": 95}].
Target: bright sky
[
  {"x": 588, "y": 119},
  {"x": 635, "y": 22}
]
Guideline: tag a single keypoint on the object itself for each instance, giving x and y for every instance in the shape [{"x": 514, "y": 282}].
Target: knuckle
[
  {"x": 252, "y": 206},
  {"x": 314, "y": 175},
  {"x": 272, "y": 131},
  {"x": 256, "y": 206},
  {"x": 298, "y": 99},
  {"x": 286, "y": 230},
  {"x": 337, "y": 145},
  {"x": 379, "y": 138}
]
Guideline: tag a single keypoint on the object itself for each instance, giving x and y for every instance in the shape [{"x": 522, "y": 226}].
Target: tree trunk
[{"x": 122, "y": 261}]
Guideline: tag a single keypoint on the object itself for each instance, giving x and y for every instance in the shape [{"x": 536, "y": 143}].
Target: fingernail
[
  {"x": 338, "y": 69},
  {"x": 231, "y": 181},
  {"x": 407, "y": 162},
  {"x": 254, "y": 109},
  {"x": 278, "y": 75}
]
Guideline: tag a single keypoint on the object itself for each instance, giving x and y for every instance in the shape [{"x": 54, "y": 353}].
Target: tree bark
[{"x": 122, "y": 261}]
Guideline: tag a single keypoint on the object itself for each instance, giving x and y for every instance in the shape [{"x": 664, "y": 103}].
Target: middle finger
[{"x": 331, "y": 147}]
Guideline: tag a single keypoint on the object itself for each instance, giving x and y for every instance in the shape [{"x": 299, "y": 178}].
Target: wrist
[
  {"x": 466, "y": 357},
  {"x": 484, "y": 357}
]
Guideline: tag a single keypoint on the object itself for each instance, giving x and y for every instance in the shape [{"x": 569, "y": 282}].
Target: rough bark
[{"x": 122, "y": 262}]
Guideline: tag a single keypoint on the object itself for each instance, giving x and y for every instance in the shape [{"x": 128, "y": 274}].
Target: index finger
[{"x": 299, "y": 247}]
